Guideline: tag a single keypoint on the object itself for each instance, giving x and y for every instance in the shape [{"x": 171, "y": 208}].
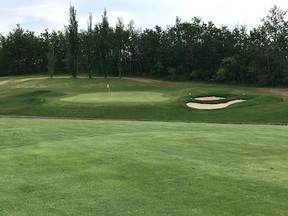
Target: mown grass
[
  {"x": 117, "y": 97},
  {"x": 76, "y": 167},
  {"x": 58, "y": 167},
  {"x": 44, "y": 97}
]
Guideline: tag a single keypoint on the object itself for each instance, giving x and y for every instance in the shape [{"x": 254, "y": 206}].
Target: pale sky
[{"x": 37, "y": 15}]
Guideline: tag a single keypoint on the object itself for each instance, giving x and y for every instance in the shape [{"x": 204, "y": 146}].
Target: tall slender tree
[
  {"x": 51, "y": 59},
  {"x": 133, "y": 48},
  {"x": 90, "y": 47},
  {"x": 119, "y": 45},
  {"x": 73, "y": 42},
  {"x": 104, "y": 46}
]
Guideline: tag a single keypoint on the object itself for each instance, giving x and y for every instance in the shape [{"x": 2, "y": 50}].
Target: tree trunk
[
  {"x": 268, "y": 67},
  {"x": 101, "y": 63},
  {"x": 119, "y": 65}
]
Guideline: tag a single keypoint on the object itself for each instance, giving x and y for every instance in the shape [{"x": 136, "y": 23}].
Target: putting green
[{"x": 117, "y": 97}]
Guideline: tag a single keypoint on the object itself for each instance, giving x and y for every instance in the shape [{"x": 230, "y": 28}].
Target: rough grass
[{"x": 141, "y": 168}]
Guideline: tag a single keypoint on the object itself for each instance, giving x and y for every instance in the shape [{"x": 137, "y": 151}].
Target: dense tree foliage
[{"x": 193, "y": 50}]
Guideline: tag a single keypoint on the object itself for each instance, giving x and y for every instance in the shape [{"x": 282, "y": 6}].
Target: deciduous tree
[{"x": 73, "y": 42}]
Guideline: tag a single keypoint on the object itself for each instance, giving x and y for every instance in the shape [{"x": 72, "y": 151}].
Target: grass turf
[
  {"x": 141, "y": 168},
  {"x": 117, "y": 97},
  {"x": 167, "y": 100}
]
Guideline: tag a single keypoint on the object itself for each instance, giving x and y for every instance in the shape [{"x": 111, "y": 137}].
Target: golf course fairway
[
  {"x": 143, "y": 151},
  {"x": 76, "y": 167}
]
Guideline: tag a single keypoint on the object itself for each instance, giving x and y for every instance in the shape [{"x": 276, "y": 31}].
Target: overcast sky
[{"x": 37, "y": 15}]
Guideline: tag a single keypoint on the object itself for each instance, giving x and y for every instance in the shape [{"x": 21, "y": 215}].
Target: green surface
[
  {"x": 58, "y": 167},
  {"x": 117, "y": 97},
  {"x": 137, "y": 100}
]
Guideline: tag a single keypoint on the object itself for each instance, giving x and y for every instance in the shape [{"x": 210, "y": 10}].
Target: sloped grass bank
[{"x": 56, "y": 167}]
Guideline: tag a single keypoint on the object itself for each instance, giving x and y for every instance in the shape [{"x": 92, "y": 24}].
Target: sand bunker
[
  {"x": 21, "y": 83},
  {"x": 210, "y": 98},
  {"x": 212, "y": 106}
]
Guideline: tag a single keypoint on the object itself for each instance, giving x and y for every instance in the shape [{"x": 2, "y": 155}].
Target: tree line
[{"x": 194, "y": 50}]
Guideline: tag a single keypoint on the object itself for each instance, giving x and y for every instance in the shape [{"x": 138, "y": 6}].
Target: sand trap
[
  {"x": 19, "y": 83},
  {"x": 144, "y": 80},
  {"x": 210, "y": 98},
  {"x": 212, "y": 106}
]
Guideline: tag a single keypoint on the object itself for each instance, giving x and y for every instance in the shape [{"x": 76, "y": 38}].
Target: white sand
[
  {"x": 212, "y": 106},
  {"x": 210, "y": 98}
]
